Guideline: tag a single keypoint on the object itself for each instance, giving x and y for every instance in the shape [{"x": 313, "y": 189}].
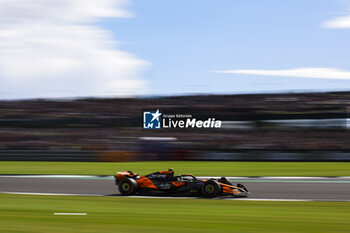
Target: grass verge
[
  {"x": 29, "y": 214},
  {"x": 180, "y": 167}
]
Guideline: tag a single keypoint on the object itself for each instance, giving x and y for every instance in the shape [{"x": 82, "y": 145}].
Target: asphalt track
[{"x": 320, "y": 189}]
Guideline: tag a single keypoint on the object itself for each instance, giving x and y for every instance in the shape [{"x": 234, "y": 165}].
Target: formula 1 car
[{"x": 165, "y": 183}]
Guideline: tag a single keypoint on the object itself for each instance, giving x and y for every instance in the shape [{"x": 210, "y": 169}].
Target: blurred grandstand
[{"x": 255, "y": 126}]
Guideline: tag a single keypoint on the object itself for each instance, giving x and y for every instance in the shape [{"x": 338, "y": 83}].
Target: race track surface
[{"x": 322, "y": 189}]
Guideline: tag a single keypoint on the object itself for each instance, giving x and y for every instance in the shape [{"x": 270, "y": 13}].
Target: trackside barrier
[
  {"x": 49, "y": 155},
  {"x": 124, "y": 156},
  {"x": 117, "y": 156}
]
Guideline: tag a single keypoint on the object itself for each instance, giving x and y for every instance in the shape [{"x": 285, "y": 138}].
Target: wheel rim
[
  {"x": 209, "y": 188},
  {"x": 125, "y": 186}
]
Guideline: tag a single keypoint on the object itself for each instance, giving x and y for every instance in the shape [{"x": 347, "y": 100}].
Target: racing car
[{"x": 166, "y": 183}]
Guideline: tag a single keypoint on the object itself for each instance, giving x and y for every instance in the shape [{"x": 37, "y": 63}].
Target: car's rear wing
[{"x": 125, "y": 174}]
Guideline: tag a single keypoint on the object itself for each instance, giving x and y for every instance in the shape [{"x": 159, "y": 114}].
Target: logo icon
[{"x": 151, "y": 120}]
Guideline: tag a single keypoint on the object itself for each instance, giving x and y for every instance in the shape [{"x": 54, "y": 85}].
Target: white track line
[
  {"x": 162, "y": 197},
  {"x": 201, "y": 177},
  {"x": 69, "y": 213},
  {"x": 277, "y": 177},
  {"x": 53, "y": 194},
  {"x": 52, "y": 176},
  {"x": 273, "y": 199}
]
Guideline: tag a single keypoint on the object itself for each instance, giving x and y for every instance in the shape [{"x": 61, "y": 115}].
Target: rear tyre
[
  {"x": 211, "y": 188},
  {"x": 127, "y": 186}
]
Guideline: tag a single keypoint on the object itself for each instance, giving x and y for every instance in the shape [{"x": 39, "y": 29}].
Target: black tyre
[
  {"x": 127, "y": 186},
  {"x": 211, "y": 188}
]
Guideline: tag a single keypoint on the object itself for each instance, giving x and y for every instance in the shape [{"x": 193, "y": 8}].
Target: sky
[{"x": 77, "y": 48}]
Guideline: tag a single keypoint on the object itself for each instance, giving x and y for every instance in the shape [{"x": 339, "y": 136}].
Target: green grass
[
  {"x": 196, "y": 168},
  {"x": 34, "y": 214}
]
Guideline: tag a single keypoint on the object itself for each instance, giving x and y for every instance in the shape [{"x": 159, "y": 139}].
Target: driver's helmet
[
  {"x": 224, "y": 180},
  {"x": 170, "y": 172}
]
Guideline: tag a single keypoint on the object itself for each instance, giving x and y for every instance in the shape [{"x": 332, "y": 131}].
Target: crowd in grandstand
[{"x": 115, "y": 124}]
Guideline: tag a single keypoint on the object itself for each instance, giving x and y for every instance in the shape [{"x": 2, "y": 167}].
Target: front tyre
[
  {"x": 211, "y": 188},
  {"x": 127, "y": 186}
]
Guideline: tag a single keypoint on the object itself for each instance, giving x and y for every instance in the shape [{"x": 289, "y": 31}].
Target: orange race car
[{"x": 165, "y": 183}]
